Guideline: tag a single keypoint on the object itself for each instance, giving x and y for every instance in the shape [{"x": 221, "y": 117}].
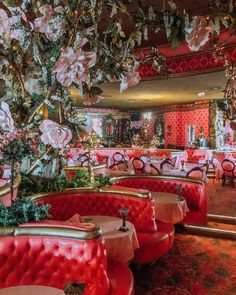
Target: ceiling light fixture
[{"x": 200, "y": 94}]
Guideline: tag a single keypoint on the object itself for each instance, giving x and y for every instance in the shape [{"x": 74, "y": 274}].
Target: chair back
[
  {"x": 205, "y": 167},
  {"x": 166, "y": 163},
  {"x": 195, "y": 173},
  {"x": 119, "y": 166},
  {"x": 138, "y": 165},
  {"x": 173, "y": 161},
  {"x": 118, "y": 157},
  {"x": 85, "y": 163},
  {"x": 83, "y": 157},
  {"x": 154, "y": 170},
  {"x": 228, "y": 166}
]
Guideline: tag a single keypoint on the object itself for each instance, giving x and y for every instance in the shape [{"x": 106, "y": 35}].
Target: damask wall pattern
[{"x": 176, "y": 125}]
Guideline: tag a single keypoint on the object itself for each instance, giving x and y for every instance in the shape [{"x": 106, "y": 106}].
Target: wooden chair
[
  {"x": 138, "y": 165},
  {"x": 228, "y": 172},
  {"x": 166, "y": 162},
  {"x": 154, "y": 170},
  {"x": 195, "y": 173}
]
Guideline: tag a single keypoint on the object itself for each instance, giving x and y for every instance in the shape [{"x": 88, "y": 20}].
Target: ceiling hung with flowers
[{"x": 47, "y": 48}]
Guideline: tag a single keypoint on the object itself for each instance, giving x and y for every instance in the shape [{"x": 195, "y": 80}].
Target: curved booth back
[
  {"x": 102, "y": 202},
  {"x": 53, "y": 255},
  {"x": 194, "y": 191}
]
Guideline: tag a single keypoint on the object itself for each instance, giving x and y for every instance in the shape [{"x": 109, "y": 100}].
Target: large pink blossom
[
  {"x": 56, "y": 135},
  {"x": 7, "y": 23},
  {"x": 132, "y": 78},
  {"x": 73, "y": 66},
  {"x": 6, "y": 121},
  {"x": 50, "y": 23},
  {"x": 198, "y": 34}
]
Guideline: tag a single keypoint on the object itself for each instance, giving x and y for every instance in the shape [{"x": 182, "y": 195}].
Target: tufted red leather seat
[
  {"x": 194, "y": 191},
  {"x": 153, "y": 243},
  {"x": 55, "y": 254}
]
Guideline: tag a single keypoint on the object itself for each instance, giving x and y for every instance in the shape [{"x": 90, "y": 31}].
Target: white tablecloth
[
  {"x": 169, "y": 208},
  {"x": 119, "y": 245},
  {"x": 31, "y": 290}
]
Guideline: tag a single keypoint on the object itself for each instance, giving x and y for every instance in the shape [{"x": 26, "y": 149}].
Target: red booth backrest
[
  {"x": 53, "y": 261},
  {"x": 65, "y": 205},
  {"x": 192, "y": 192}
]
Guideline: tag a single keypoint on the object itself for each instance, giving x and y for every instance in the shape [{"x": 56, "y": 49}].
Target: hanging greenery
[
  {"x": 32, "y": 185},
  {"x": 22, "y": 211}
]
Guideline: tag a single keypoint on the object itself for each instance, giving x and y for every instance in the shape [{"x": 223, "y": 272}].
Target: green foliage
[
  {"x": 16, "y": 150},
  {"x": 101, "y": 180},
  {"x": 33, "y": 185},
  {"x": 22, "y": 211}
]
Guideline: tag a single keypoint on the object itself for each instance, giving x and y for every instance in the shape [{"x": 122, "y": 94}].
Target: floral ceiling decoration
[{"x": 47, "y": 47}]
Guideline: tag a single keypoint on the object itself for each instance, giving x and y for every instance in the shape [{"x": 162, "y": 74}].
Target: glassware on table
[
  {"x": 179, "y": 191},
  {"x": 124, "y": 215},
  {"x": 182, "y": 165},
  {"x": 74, "y": 288},
  {"x": 87, "y": 218}
]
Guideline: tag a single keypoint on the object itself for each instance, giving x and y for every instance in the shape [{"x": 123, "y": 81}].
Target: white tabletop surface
[
  {"x": 169, "y": 208},
  {"x": 119, "y": 245}
]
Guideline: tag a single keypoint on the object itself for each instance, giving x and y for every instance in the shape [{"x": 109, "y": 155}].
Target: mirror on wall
[{"x": 191, "y": 135}]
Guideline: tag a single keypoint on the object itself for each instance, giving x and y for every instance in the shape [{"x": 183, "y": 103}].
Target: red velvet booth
[
  {"x": 155, "y": 239},
  {"x": 194, "y": 191},
  {"x": 55, "y": 254}
]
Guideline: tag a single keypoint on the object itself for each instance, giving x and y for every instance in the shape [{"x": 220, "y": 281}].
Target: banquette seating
[
  {"x": 155, "y": 239},
  {"x": 54, "y": 254},
  {"x": 194, "y": 191}
]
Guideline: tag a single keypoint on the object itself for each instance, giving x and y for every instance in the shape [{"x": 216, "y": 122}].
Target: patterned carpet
[
  {"x": 222, "y": 200},
  {"x": 196, "y": 265}
]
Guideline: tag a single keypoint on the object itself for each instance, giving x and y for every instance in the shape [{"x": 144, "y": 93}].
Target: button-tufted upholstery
[
  {"x": 193, "y": 191},
  {"x": 53, "y": 261},
  {"x": 153, "y": 242},
  {"x": 65, "y": 205},
  {"x": 28, "y": 257}
]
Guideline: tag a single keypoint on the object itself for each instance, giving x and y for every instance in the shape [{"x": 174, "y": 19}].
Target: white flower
[{"x": 6, "y": 121}]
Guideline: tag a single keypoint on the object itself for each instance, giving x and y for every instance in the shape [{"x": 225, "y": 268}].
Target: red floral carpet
[
  {"x": 195, "y": 266},
  {"x": 222, "y": 200}
]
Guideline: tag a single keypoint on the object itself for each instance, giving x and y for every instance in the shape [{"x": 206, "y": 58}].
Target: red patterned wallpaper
[
  {"x": 139, "y": 124},
  {"x": 179, "y": 122}
]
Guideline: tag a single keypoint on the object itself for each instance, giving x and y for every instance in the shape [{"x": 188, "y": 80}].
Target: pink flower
[
  {"x": 198, "y": 34},
  {"x": 132, "y": 78},
  {"x": 56, "y": 135},
  {"x": 51, "y": 23},
  {"x": 6, "y": 121},
  {"x": 5, "y": 24},
  {"x": 73, "y": 66}
]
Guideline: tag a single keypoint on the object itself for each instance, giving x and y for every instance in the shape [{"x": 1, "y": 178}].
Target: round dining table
[
  {"x": 169, "y": 207},
  {"x": 31, "y": 290},
  {"x": 120, "y": 245}
]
